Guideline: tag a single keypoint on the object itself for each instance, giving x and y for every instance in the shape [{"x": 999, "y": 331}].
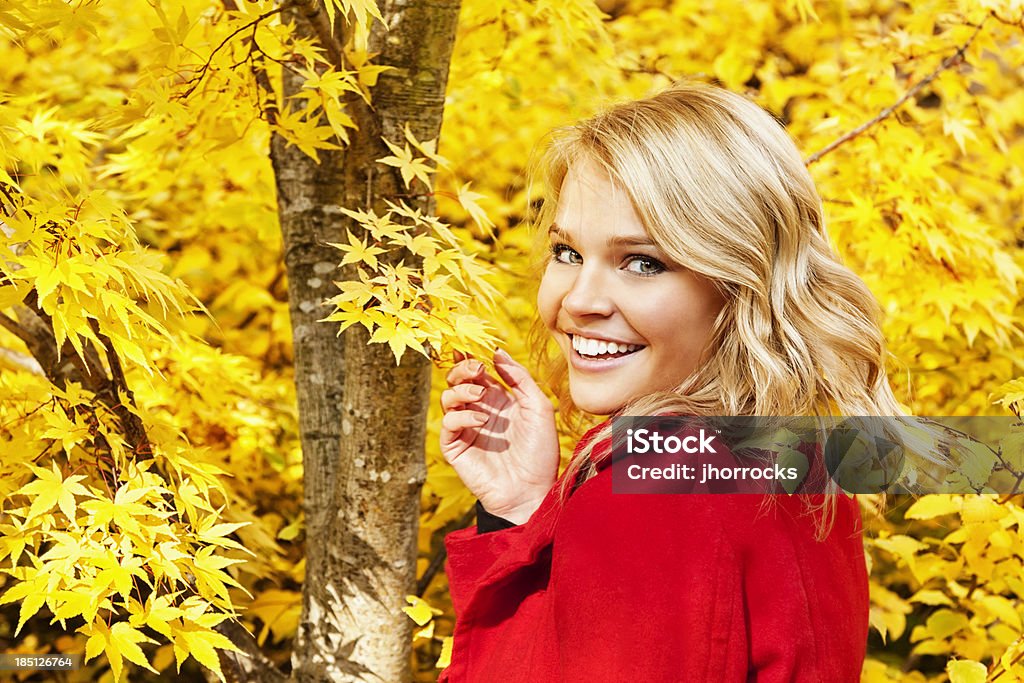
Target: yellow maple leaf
[
  {"x": 82, "y": 602},
  {"x": 160, "y": 612},
  {"x": 51, "y": 489},
  {"x": 63, "y": 429},
  {"x": 469, "y": 200},
  {"x": 279, "y": 610},
  {"x": 357, "y": 251},
  {"x": 31, "y": 590},
  {"x": 399, "y": 337},
  {"x": 409, "y": 166},
  {"x": 428, "y": 148},
  {"x": 201, "y": 643},
  {"x": 119, "y": 642},
  {"x": 211, "y": 579}
]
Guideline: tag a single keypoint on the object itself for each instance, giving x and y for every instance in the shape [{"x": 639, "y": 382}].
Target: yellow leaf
[
  {"x": 932, "y": 506},
  {"x": 362, "y": 10},
  {"x": 446, "y": 654},
  {"x": 903, "y": 547},
  {"x": 75, "y": 603},
  {"x": 50, "y": 490},
  {"x": 29, "y": 606},
  {"x": 960, "y": 130},
  {"x": 279, "y": 610},
  {"x": 160, "y": 612},
  {"x": 211, "y": 580},
  {"x": 124, "y": 640},
  {"x": 945, "y": 623},
  {"x": 805, "y": 8},
  {"x": 428, "y": 148},
  {"x": 1002, "y": 609},
  {"x": 399, "y": 337},
  {"x": 734, "y": 66},
  {"x": 966, "y": 671},
  {"x": 357, "y": 251},
  {"x": 201, "y": 643},
  {"x": 409, "y": 166},
  {"x": 468, "y": 199},
  {"x": 420, "y": 611},
  {"x": 931, "y": 597},
  {"x": 46, "y": 283},
  {"x": 97, "y": 640}
]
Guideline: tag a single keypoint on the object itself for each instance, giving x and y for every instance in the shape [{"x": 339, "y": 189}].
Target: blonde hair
[{"x": 720, "y": 187}]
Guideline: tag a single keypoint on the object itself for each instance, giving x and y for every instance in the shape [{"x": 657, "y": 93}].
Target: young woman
[{"x": 689, "y": 273}]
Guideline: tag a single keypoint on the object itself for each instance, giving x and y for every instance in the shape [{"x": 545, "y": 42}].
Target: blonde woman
[{"x": 689, "y": 273}]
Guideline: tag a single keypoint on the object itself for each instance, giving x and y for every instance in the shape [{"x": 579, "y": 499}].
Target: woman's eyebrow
[
  {"x": 629, "y": 241},
  {"x": 618, "y": 241},
  {"x": 557, "y": 233}
]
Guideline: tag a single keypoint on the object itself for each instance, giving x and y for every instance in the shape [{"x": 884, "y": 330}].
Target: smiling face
[{"x": 628, "y": 322}]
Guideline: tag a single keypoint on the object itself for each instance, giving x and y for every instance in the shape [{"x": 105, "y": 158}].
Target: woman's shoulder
[
  {"x": 606, "y": 496},
  {"x": 744, "y": 521}
]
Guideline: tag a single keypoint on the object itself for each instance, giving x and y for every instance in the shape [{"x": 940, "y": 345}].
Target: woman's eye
[
  {"x": 563, "y": 254},
  {"x": 644, "y": 265}
]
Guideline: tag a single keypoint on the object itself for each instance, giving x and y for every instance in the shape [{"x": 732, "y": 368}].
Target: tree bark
[{"x": 362, "y": 418}]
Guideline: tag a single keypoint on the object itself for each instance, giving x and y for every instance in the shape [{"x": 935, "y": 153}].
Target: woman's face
[{"x": 628, "y": 322}]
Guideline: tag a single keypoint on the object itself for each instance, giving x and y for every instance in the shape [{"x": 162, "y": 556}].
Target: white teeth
[{"x": 595, "y": 347}]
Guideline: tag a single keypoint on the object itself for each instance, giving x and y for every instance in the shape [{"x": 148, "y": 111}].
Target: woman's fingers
[
  {"x": 471, "y": 371},
  {"x": 518, "y": 379},
  {"x": 464, "y": 371},
  {"x": 453, "y": 423},
  {"x": 461, "y": 395}
]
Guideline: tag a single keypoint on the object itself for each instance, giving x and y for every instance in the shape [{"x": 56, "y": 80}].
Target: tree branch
[
  {"x": 17, "y": 330},
  {"x": 313, "y": 11},
  {"x": 952, "y": 60},
  {"x": 251, "y": 665},
  {"x": 21, "y": 360}
]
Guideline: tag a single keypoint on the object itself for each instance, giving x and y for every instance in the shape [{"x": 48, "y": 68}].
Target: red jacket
[{"x": 659, "y": 588}]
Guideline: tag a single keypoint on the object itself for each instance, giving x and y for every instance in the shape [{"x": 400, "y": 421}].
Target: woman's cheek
[{"x": 548, "y": 300}]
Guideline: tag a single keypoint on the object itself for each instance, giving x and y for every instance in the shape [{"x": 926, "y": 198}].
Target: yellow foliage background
[{"x": 139, "y": 213}]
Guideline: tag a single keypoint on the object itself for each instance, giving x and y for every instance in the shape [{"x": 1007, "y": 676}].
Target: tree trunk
[{"x": 363, "y": 420}]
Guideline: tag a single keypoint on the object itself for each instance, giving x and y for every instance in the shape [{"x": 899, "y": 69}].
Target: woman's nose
[{"x": 589, "y": 294}]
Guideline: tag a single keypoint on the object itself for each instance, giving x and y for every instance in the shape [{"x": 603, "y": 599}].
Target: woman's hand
[{"x": 502, "y": 443}]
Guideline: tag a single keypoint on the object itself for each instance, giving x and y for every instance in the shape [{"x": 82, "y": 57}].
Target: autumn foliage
[{"x": 150, "y": 467}]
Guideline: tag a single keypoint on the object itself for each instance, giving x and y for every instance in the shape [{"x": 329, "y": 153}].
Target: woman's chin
[{"x": 596, "y": 405}]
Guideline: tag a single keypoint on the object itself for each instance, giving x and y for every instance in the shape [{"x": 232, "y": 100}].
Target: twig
[
  {"x": 1013, "y": 661},
  {"x": 198, "y": 78},
  {"x": 437, "y": 561},
  {"x": 948, "y": 62},
  {"x": 10, "y": 199}
]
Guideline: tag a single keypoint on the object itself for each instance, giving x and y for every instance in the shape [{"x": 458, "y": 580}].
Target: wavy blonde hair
[{"x": 720, "y": 187}]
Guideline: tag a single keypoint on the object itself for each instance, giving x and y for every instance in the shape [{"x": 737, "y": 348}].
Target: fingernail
[
  {"x": 476, "y": 366},
  {"x": 501, "y": 353},
  {"x": 476, "y": 391}
]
